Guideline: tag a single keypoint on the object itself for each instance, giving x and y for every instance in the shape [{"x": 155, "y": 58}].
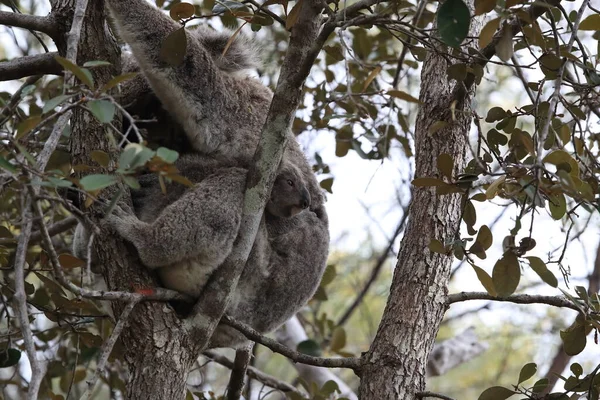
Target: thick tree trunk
[
  {"x": 159, "y": 352},
  {"x": 394, "y": 367}
]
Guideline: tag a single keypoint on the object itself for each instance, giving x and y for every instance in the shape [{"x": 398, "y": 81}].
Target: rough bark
[
  {"x": 394, "y": 366},
  {"x": 158, "y": 349}
]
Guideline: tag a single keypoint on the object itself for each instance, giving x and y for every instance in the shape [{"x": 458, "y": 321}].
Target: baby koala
[{"x": 189, "y": 232}]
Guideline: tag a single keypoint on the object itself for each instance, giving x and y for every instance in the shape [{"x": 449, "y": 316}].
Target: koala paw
[{"x": 122, "y": 219}]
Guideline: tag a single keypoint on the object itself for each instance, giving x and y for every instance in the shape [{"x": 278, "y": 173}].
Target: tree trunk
[
  {"x": 394, "y": 366},
  {"x": 158, "y": 353}
]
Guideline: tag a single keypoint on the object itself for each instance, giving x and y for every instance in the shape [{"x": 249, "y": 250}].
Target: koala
[
  {"x": 218, "y": 114},
  {"x": 186, "y": 236}
]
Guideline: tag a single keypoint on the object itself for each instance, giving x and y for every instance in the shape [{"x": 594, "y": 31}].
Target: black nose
[{"x": 305, "y": 199}]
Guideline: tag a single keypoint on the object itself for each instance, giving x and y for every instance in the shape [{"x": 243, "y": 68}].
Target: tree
[{"x": 536, "y": 156}]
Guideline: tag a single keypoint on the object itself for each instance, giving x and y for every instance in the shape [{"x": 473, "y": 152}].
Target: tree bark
[
  {"x": 159, "y": 353},
  {"x": 394, "y": 366}
]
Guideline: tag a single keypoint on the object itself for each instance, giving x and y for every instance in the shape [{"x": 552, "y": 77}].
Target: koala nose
[{"x": 305, "y": 203}]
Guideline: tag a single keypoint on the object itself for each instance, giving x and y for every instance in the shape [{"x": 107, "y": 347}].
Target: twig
[
  {"x": 46, "y": 24},
  {"x": 348, "y": 362},
  {"x": 52, "y": 142},
  {"x": 39, "y": 64},
  {"x": 14, "y": 99},
  {"x": 424, "y": 395},
  {"x": 556, "y": 301},
  {"x": 75, "y": 32},
  {"x": 107, "y": 348},
  {"x": 254, "y": 373},
  {"x": 238, "y": 372},
  {"x": 54, "y": 229},
  {"x": 20, "y": 299},
  {"x": 374, "y": 272}
]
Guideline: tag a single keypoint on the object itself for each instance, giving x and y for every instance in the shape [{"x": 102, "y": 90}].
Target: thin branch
[
  {"x": 20, "y": 299},
  {"x": 107, "y": 349},
  {"x": 54, "y": 229},
  {"x": 46, "y": 24},
  {"x": 426, "y": 395},
  {"x": 254, "y": 373},
  {"x": 556, "y": 301},
  {"x": 75, "y": 31},
  {"x": 16, "y": 97},
  {"x": 374, "y": 272},
  {"x": 39, "y": 64},
  {"x": 238, "y": 372},
  {"x": 348, "y": 362}
]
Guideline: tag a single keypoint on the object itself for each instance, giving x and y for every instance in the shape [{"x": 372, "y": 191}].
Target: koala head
[{"x": 289, "y": 195}]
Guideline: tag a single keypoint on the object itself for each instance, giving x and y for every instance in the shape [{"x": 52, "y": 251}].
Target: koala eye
[{"x": 290, "y": 182}]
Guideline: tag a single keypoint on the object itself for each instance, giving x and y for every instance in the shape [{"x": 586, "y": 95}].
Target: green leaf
[
  {"x": 557, "y": 205},
  {"x": 9, "y": 357},
  {"x": 174, "y": 48},
  {"x": 591, "y": 23},
  {"x": 485, "y": 237},
  {"x": 169, "y": 156},
  {"x": 227, "y": 5},
  {"x": 309, "y": 347},
  {"x": 574, "y": 339},
  {"x": 116, "y": 80},
  {"x": 329, "y": 275},
  {"x": 100, "y": 157},
  {"x": 338, "y": 339},
  {"x": 506, "y": 275},
  {"x": 131, "y": 182},
  {"x": 82, "y": 74},
  {"x": 437, "y": 247},
  {"x": 484, "y": 6},
  {"x": 54, "y": 102},
  {"x": 453, "y": 20},
  {"x": 426, "y": 181},
  {"x": 576, "y": 369},
  {"x": 4, "y": 164},
  {"x": 540, "y": 268},
  {"x": 94, "y": 182},
  {"x": 399, "y": 94},
  {"x": 469, "y": 214},
  {"x": 326, "y": 184},
  {"x": 329, "y": 388},
  {"x": 496, "y": 393},
  {"x": 96, "y": 63},
  {"x": 445, "y": 164},
  {"x": 495, "y": 114},
  {"x": 485, "y": 280},
  {"x": 182, "y": 11},
  {"x": 527, "y": 372},
  {"x": 103, "y": 110}
]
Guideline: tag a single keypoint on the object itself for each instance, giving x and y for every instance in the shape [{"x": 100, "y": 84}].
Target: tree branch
[
  {"x": 349, "y": 362},
  {"x": 18, "y": 68},
  {"x": 426, "y": 395},
  {"x": 54, "y": 229},
  {"x": 238, "y": 372},
  {"x": 46, "y": 24},
  {"x": 556, "y": 301},
  {"x": 254, "y": 373}
]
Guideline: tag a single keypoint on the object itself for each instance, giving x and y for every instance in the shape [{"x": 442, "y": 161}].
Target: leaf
[
  {"x": 504, "y": 47},
  {"x": 103, "y": 110},
  {"x": 227, "y": 5},
  {"x": 485, "y": 237},
  {"x": 371, "y": 76},
  {"x": 329, "y": 275},
  {"x": 540, "y": 268},
  {"x": 94, "y": 182},
  {"x": 458, "y": 72},
  {"x": 23, "y": 128},
  {"x": 182, "y": 11},
  {"x": 506, "y": 275},
  {"x": 437, "y": 247},
  {"x": 399, "y": 94},
  {"x": 5, "y": 165},
  {"x": 131, "y": 182},
  {"x": 445, "y": 164},
  {"x": 527, "y": 372},
  {"x": 574, "y": 339},
  {"x": 491, "y": 191},
  {"x": 9, "y": 357},
  {"x": 469, "y": 213},
  {"x": 82, "y": 74},
  {"x": 453, "y": 21},
  {"x": 485, "y": 280},
  {"x": 168, "y": 156},
  {"x": 484, "y": 6},
  {"x": 118, "y": 79},
  {"x": 436, "y": 126},
  {"x": 326, "y": 184},
  {"x": 487, "y": 33},
  {"x": 496, "y": 393},
  {"x": 292, "y": 17},
  {"x": 174, "y": 47},
  {"x": 591, "y": 23},
  {"x": 100, "y": 157},
  {"x": 426, "y": 181},
  {"x": 576, "y": 369},
  {"x": 96, "y": 63},
  {"x": 338, "y": 339},
  {"x": 54, "y": 102},
  {"x": 309, "y": 347},
  {"x": 69, "y": 261}
]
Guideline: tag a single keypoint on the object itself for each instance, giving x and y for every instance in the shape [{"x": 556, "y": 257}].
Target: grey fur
[{"x": 186, "y": 234}]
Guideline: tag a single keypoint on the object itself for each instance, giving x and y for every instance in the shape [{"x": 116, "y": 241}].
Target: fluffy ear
[{"x": 241, "y": 54}]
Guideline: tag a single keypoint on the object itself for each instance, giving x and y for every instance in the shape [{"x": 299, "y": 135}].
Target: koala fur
[{"x": 187, "y": 234}]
